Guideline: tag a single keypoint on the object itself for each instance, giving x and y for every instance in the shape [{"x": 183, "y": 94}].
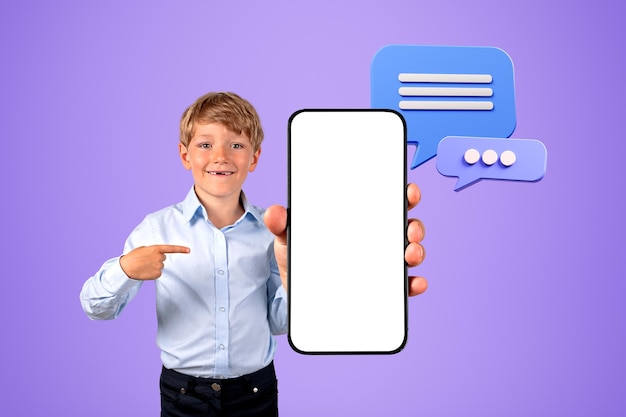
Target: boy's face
[{"x": 219, "y": 160}]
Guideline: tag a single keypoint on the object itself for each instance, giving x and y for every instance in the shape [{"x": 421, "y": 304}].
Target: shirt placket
[{"x": 221, "y": 304}]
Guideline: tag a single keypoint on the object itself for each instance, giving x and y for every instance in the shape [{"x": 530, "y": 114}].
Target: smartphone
[{"x": 346, "y": 236}]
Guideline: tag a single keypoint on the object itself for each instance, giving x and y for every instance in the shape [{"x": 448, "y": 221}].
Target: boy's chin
[{"x": 217, "y": 192}]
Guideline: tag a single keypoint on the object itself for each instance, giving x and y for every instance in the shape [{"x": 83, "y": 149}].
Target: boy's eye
[
  {"x": 205, "y": 145},
  {"x": 237, "y": 146}
]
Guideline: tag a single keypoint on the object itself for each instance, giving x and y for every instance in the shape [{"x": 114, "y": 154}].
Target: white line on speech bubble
[
  {"x": 445, "y": 105},
  {"x": 444, "y": 78},
  {"x": 444, "y": 92}
]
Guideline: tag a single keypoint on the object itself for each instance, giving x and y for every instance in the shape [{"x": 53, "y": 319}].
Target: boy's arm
[
  {"x": 104, "y": 295},
  {"x": 277, "y": 301}
]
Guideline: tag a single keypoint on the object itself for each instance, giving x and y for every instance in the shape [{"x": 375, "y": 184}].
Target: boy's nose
[{"x": 219, "y": 154}]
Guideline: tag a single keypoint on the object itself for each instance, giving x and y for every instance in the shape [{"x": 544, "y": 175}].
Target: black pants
[{"x": 250, "y": 395}]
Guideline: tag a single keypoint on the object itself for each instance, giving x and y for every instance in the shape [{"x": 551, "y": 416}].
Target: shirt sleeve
[
  {"x": 277, "y": 301},
  {"x": 105, "y": 294}
]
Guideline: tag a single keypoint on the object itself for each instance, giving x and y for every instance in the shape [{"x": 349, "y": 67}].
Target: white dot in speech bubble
[
  {"x": 471, "y": 156},
  {"x": 507, "y": 158},
  {"x": 490, "y": 157}
]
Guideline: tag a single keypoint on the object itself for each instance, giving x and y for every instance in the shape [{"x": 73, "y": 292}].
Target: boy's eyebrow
[
  {"x": 201, "y": 137},
  {"x": 235, "y": 136}
]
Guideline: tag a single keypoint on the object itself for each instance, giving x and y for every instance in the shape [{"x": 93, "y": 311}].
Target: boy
[{"x": 220, "y": 292}]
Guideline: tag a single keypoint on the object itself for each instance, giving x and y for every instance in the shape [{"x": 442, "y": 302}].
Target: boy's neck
[{"x": 223, "y": 212}]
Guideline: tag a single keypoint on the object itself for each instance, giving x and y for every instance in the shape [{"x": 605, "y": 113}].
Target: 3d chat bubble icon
[
  {"x": 472, "y": 159},
  {"x": 445, "y": 91}
]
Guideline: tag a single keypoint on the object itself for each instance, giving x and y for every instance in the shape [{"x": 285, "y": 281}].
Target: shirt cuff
[{"x": 115, "y": 280}]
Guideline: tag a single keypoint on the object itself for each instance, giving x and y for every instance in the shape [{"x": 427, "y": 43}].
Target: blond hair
[{"x": 234, "y": 112}]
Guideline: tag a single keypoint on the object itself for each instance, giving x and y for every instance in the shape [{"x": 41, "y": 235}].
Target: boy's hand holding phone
[{"x": 276, "y": 222}]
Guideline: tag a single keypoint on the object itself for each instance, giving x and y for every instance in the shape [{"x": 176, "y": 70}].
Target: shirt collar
[
  {"x": 254, "y": 211},
  {"x": 191, "y": 207}
]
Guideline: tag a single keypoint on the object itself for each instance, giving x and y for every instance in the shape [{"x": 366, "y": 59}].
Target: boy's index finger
[{"x": 172, "y": 248}]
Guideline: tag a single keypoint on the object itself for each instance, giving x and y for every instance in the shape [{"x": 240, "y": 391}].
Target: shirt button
[
  {"x": 222, "y": 347},
  {"x": 222, "y": 309},
  {"x": 220, "y": 272}
]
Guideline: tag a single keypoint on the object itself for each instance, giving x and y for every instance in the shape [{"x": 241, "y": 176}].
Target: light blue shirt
[{"x": 217, "y": 306}]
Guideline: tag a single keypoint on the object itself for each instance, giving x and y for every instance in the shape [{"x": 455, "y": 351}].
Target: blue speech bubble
[
  {"x": 472, "y": 159},
  {"x": 445, "y": 91}
]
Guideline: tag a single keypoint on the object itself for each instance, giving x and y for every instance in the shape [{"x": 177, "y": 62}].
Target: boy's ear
[
  {"x": 184, "y": 155},
  {"x": 255, "y": 160}
]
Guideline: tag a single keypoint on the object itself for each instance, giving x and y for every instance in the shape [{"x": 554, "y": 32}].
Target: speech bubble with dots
[{"x": 472, "y": 159}]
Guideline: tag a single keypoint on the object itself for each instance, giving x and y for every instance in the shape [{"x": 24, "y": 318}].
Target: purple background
[{"x": 525, "y": 313}]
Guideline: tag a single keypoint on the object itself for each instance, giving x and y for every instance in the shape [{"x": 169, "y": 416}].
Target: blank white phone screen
[{"x": 347, "y": 279}]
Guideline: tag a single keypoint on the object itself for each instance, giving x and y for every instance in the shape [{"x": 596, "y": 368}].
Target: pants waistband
[{"x": 189, "y": 381}]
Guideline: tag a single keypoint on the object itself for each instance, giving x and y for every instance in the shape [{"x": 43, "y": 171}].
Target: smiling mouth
[{"x": 220, "y": 173}]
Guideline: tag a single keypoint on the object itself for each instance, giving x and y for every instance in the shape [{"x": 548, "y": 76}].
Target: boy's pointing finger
[{"x": 172, "y": 249}]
